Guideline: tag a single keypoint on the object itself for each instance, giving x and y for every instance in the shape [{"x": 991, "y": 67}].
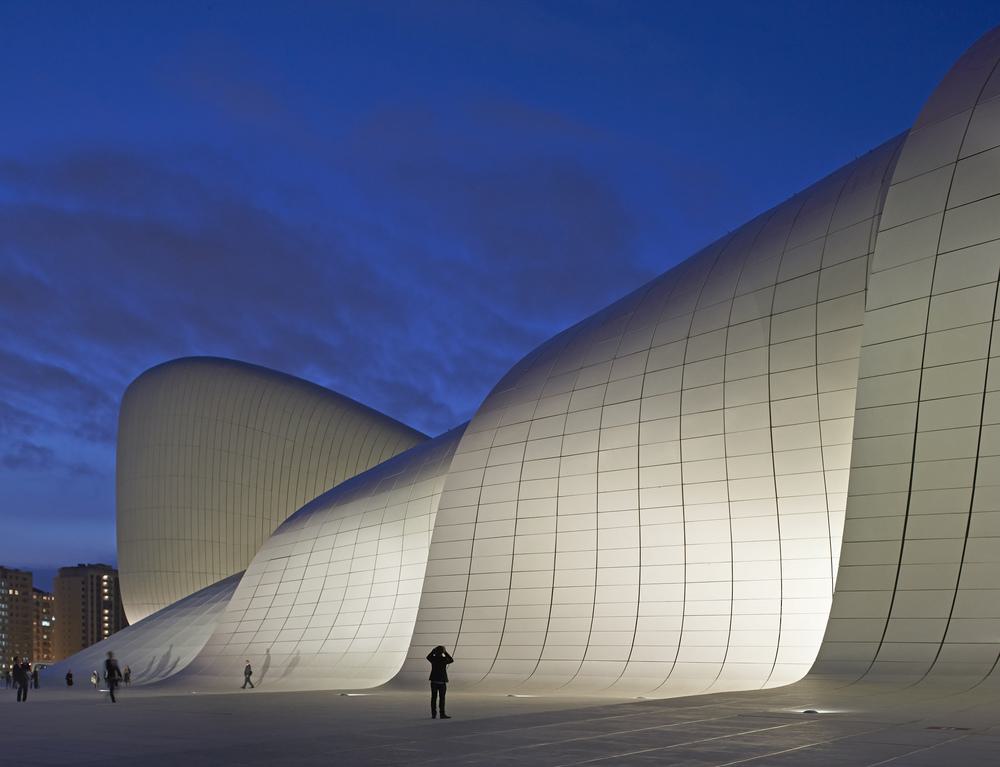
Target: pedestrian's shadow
[
  {"x": 266, "y": 666},
  {"x": 291, "y": 665},
  {"x": 164, "y": 667},
  {"x": 146, "y": 671}
]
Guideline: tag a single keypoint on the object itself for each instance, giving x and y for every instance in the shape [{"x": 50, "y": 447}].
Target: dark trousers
[
  {"x": 438, "y": 689},
  {"x": 246, "y": 681},
  {"x": 112, "y": 684},
  {"x": 22, "y": 692}
]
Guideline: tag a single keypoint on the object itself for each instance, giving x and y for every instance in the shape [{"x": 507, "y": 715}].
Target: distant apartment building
[
  {"x": 43, "y": 627},
  {"x": 16, "y": 616},
  {"x": 88, "y": 607}
]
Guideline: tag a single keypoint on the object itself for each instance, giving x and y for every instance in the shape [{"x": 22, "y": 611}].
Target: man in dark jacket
[
  {"x": 113, "y": 674},
  {"x": 439, "y": 660},
  {"x": 247, "y": 673},
  {"x": 20, "y": 673}
]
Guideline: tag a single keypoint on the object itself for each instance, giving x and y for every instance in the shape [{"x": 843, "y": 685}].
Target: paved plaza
[{"x": 853, "y": 726}]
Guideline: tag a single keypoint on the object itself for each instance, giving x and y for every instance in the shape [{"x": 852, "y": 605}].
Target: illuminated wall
[
  {"x": 331, "y": 598},
  {"x": 919, "y": 586},
  {"x": 213, "y": 455},
  {"x": 652, "y": 503}
]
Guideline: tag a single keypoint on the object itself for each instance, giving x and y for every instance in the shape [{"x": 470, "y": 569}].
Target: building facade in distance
[
  {"x": 43, "y": 627},
  {"x": 16, "y": 615},
  {"x": 88, "y": 607}
]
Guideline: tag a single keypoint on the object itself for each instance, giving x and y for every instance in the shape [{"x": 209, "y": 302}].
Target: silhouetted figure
[
  {"x": 127, "y": 677},
  {"x": 247, "y": 673},
  {"x": 113, "y": 674},
  {"x": 34, "y": 677},
  {"x": 69, "y": 678},
  {"x": 439, "y": 660},
  {"x": 8, "y": 680},
  {"x": 20, "y": 674}
]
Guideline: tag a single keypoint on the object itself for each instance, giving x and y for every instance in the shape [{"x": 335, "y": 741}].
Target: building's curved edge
[
  {"x": 278, "y": 376},
  {"x": 213, "y": 454},
  {"x": 155, "y": 648},
  {"x": 331, "y": 599},
  {"x": 918, "y": 587}
]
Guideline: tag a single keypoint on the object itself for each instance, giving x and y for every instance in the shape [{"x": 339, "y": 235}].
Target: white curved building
[
  {"x": 779, "y": 455},
  {"x": 332, "y": 597},
  {"x": 213, "y": 455},
  {"x": 653, "y": 502}
]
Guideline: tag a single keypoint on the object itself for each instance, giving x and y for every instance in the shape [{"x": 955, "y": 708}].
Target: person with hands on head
[{"x": 439, "y": 660}]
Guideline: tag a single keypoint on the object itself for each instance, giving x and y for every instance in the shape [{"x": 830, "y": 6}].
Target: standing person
[
  {"x": 20, "y": 680},
  {"x": 69, "y": 678},
  {"x": 26, "y": 667},
  {"x": 247, "y": 673},
  {"x": 18, "y": 672},
  {"x": 128, "y": 676},
  {"x": 34, "y": 677},
  {"x": 8, "y": 679},
  {"x": 439, "y": 660},
  {"x": 95, "y": 678},
  {"x": 113, "y": 673}
]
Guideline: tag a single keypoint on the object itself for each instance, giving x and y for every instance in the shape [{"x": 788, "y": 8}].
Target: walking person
[
  {"x": 113, "y": 674},
  {"x": 128, "y": 676},
  {"x": 20, "y": 677},
  {"x": 95, "y": 679},
  {"x": 247, "y": 673},
  {"x": 34, "y": 677},
  {"x": 439, "y": 660},
  {"x": 69, "y": 678}
]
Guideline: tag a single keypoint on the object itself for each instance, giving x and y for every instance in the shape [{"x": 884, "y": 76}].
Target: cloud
[
  {"x": 16, "y": 421},
  {"x": 410, "y": 269},
  {"x": 26, "y": 455},
  {"x": 23, "y": 376},
  {"x": 416, "y": 303}
]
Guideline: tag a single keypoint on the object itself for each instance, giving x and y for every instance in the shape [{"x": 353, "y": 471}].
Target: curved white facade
[
  {"x": 331, "y": 599},
  {"x": 654, "y": 501},
  {"x": 213, "y": 455},
  {"x": 156, "y": 647},
  {"x": 919, "y": 590}
]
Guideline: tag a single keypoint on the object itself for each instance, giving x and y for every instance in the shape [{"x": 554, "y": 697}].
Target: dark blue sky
[{"x": 396, "y": 200}]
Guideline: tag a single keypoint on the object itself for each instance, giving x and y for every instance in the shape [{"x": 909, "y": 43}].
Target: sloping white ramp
[{"x": 158, "y": 646}]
